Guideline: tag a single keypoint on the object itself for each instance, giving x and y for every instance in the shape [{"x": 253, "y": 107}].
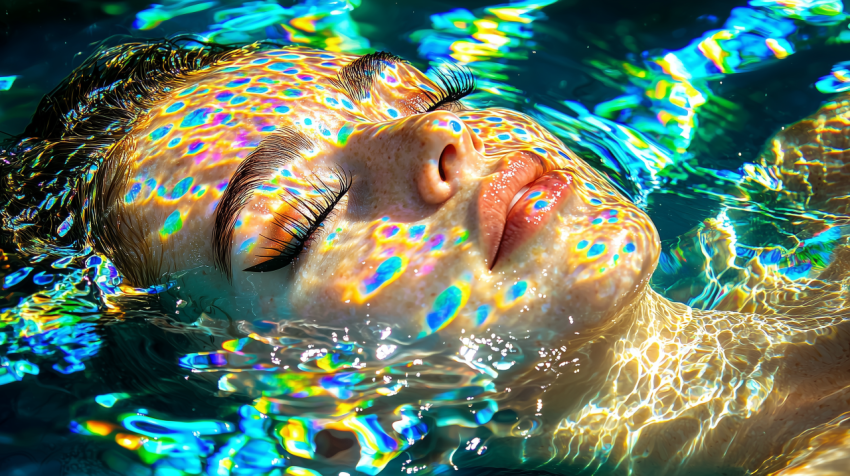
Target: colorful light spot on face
[
  {"x": 613, "y": 220},
  {"x": 416, "y": 232},
  {"x": 582, "y": 245},
  {"x": 347, "y": 104},
  {"x": 196, "y": 118},
  {"x": 172, "y": 224},
  {"x": 517, "y": 291},
  {"x": 195, "y": 147},
  {"x": 332, "y": 101},
  {"x": 293, "y": 93},
  {"x": 247, "y": 245},
  {"x": 280, "y": 66},
  {"x": 503, "y": 136},
  {"x": 224, "y": 96},
  {"x": 595, "y": 201},
  {"x": 436, "y": 242},
  {"x": 564, "y": 155},
  {"x": 392, "y": 112},
  {"x": 481, "y": 314},
  {"x": 597, "y": 221},
  {"x": 596, "y": 250},
  {"x": 267, "y": 128},
  {"x": 160, "y": 132},
  {"x": 260, "y": 61},
  {"x": 238, "y": 100},
  {"x": 517, "y": 130},
  {"x": 174, "y": 142},
  {"x": 305, "y": 77},
  {"x": 238, "y": 82},
  {"x": 445, "y": 308},
  {"x": 389, "y": 231},
  {"x": 462, "y": 238},
  {"x": 455, "y": 126},
  {"x": 133, "y": 193},
  {"x": 281, "y": 109},
  {"x": 540, "y": 204},
  {"x": 344, "y": 133},
  {"x": 181, "y": 188},
  {"x": 534, "y": 194},
  {"x": 387, "y": 272},
  {"x": 175, "y": 107},
  {"x": 494, "y": 119},
  {"x": 290, "y": 71},
  {"x": 629, "y": 248},
  {"x": 188, "y": 91},
  {"x": 590, "y": 186},
  {"x": 308, "y": 121},
  {"x": 256, "y": 89}
]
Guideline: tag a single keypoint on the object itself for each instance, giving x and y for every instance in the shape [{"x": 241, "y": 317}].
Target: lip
[{"x": 497, "y": 191}]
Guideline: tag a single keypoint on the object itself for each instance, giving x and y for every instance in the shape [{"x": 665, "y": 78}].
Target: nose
[{"x": 435, "y": 150}]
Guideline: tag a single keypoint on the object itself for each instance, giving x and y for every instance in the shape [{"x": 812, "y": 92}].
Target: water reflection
[{"x": 302, "y": 399}]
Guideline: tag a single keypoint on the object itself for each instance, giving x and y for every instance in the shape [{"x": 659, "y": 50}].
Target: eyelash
[
  {"x": 456, "y": 82},
  {"x": 312, "y": 210}
]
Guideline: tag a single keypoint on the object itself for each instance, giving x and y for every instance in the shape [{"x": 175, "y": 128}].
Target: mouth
[{"x": 515, "y": 202}]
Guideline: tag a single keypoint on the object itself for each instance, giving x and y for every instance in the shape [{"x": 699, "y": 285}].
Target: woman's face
[{"x": 454, "y": 218}]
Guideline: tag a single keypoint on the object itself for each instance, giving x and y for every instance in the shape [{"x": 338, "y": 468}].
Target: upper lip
[{"x": 497, "y": 192}]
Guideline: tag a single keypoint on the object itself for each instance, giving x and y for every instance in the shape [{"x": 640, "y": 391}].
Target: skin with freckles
[
  {"x": 459, "y": 220},
  {"x": 406, "y": 240}
]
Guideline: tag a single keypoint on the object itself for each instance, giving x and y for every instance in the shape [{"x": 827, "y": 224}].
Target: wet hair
[{"x": 62, "y": 180}]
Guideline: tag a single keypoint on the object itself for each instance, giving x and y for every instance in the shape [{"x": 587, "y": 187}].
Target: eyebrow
[
  {"x": 357, "y": 77},
  {"x": 274, "y": 152}
]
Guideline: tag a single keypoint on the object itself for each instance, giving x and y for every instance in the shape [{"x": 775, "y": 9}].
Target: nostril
[{"x": 448, "y": 154}]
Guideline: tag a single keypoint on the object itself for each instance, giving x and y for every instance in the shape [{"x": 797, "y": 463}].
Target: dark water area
[{"x": 677, "y": 103}]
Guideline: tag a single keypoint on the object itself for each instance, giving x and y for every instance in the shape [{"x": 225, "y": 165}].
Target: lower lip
[{"x": 533, "y": 211}]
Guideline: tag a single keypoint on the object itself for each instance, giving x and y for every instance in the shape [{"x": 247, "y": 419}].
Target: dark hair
[{"x": 61, "y": 181}]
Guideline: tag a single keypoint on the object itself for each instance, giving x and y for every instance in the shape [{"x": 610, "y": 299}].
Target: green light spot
[{"x": 172, "y": 224}]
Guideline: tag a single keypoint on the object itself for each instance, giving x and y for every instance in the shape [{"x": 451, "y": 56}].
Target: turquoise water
[{"x": 676, "y": 103}]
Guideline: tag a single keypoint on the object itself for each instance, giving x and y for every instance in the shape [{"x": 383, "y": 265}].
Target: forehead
[{"x": 212, "y": 123}]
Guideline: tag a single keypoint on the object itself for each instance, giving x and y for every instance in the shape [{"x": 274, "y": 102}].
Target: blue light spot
[
  {"x": 175, "y": 107},
  {"x": 347, "y": 104},
  {"x": 385, "y": 272},
  {"x": 308, "y": 121},
  {"x": 281, "y": 109},
  {"x": 291, "y": 71},
  {"x": 133, "y": 193},
  {"x": 582, "y": 245},
  {"x": 293, "y": 93},
  {"x": 596, "y": 250},
  {"x": 181, "y": 188},
  {"x": 629, "y": 248},
  {"x": 224, "y": 96},
  {"x": 41, "y": 278},
  {"x": 257, "y": 89},
  {"x": 564, "y": 155},
  {"x": 238, "y": 100},
  {"x": 481, "y": 314},
  {"x": 267, "y": 128},
  {"x": 455, "y": 126},
  {"x": 540, "y": 204},
  {"x": 613, "y": 220},
  {"x": 161, "y": 132},
  {"x": 503, "y": 136},
  {"x": 445, "y": 308},
  {"x": 539, "y": 150},
  {"x": 535, "y": 194},
  {"x": 494, "y": 119},
  {"x": 195, "y": 147},
  {"x": 590, "y": 186},
  {"x": 291, "y": 56},
  {"x": 595, "y": 201},
  {"x": 280, "y": 66},
  {"x": 196, "y": 117},
  {"x": 416, "y": 232},
  {"x": 238, "y": 82},
  {"x": 332, "y": 101},
  {"x": 517, "y": 290},
  {"x": 174, "y": 142},
  {"x": 597, "y": 221},
  {"x": 392, "y": 112},
  {"x": 16, "y": 277},
  {"x": 519, "y": 131},
  {"x": 260, "y": 61}
]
